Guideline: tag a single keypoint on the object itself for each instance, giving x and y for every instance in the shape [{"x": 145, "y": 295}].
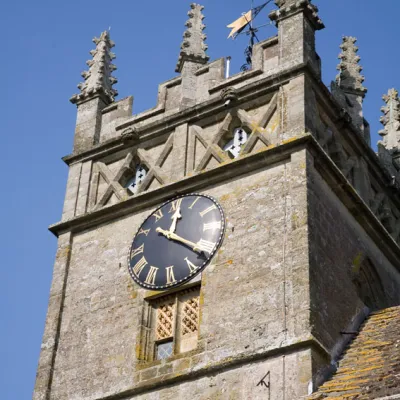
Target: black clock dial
[{"x": 176, "y": 241}]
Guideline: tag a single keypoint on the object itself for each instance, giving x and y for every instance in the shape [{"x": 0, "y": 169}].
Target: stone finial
[
  {"x": 391, "y": 120},
  {"x": 289, "y": 7},
  {"x": 349, "y": 78},
  {"x": 193, "y": 47},
  {"x": 98, "y": 79}
]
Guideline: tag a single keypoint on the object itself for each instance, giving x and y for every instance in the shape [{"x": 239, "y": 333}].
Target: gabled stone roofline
[{"x": 275, "y": 154}]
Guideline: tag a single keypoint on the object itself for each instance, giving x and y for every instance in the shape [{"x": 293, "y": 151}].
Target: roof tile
[{"x": 370, "y": 367}]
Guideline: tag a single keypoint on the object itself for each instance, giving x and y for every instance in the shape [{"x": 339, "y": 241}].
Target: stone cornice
[{"x": 323, "y": 163}]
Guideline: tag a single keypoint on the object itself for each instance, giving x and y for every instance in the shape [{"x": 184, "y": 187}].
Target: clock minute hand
[{"x": 174, "y": 236}]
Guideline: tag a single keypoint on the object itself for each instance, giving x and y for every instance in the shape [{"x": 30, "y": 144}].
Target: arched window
[{"x": 369, "y": 286}]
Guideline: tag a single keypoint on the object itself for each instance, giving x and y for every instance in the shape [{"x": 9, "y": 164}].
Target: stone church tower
[{"x": 310, "y": 249}]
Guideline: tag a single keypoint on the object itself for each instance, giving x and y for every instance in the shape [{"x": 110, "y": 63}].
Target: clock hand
[
  {"x": 177, "y": 215},
  {"x": 174, "y": 236}
]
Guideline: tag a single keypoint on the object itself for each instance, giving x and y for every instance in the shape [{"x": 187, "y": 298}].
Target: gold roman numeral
[
  {"x": 192, "y": 205},
  {"x": 205, "y": 245},
  {"x": 138, "y": 268},
  {"x": 158, "y": 215},
  {"x": 137, "y": 251},
  {"x": 143, "y": 232},
  {"x": 191, "y": 266},
  {"x": 212, "y": 226},
  {"x": 175, "y": 205},
  {"x": 151, "y": 276},
  {"x": 170, "y": 275},
  {"x": 207, "y": 210}
]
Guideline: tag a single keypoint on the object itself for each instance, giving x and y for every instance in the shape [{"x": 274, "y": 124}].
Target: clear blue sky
[{"x": 45, "y": 46}]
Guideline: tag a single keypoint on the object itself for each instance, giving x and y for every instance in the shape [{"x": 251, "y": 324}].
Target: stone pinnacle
[
  {"x": 349, "y": 78},
  {"x": 391, "y": 120},
  {"x": 98, "y": 79},
  {"x": 193, "y": 47}
]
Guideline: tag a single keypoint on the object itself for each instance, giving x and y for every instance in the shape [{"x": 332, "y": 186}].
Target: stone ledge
[{"x": 230, "y": 363}]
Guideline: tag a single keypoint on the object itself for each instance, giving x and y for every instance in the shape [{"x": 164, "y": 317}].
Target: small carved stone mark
[{"x": 265, "y": 381}]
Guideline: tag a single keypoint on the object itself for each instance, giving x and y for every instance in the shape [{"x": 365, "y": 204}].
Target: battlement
[{"x": 207, "y": 83}]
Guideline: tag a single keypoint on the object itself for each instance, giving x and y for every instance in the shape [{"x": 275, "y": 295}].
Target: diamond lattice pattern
[
  {"x": 165, "y": 320},
  {"x": 190, "y": 317}
]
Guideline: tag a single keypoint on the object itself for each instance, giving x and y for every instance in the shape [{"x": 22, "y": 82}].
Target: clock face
[{"x": 176, "y": 241}]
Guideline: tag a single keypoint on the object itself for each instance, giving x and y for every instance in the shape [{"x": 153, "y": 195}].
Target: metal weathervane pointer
[{"x": 238, "y": 27}]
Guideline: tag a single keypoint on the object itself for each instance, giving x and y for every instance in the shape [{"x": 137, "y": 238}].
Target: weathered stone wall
[
  {"x": 253, "y": 302},
  {"x": 338, "y": 247},
  {"x": 288, "y": 379}
]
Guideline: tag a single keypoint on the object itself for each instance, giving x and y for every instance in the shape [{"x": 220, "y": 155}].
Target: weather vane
[{"x": 239, "y": 27}]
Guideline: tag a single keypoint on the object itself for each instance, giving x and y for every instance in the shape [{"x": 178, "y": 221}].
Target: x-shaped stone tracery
[
  {"x": 114, "y": 185},
  {"x": 133, "y": 158},
  {"x": 155, "y": 170},
  {"x": 257, "y": 133}
]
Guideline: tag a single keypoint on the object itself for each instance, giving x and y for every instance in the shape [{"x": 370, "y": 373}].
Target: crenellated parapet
[
  {"x": 193, "y": 47},
  {"x": 98, "y": 79}
]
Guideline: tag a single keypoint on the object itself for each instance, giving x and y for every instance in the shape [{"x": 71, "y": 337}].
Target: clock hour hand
[
  {"x": 177, "y": 215},
  {"x": 174, "y": 236}
]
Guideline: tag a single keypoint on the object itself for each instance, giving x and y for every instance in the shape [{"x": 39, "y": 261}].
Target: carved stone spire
[
  {"x": 193, "y": 47},
  {"x": 348, "y": 87},
  {"x": 349, "y": 78},
  {"x": 98, "y": 79},
  {"x": 391, "y": 120}
]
